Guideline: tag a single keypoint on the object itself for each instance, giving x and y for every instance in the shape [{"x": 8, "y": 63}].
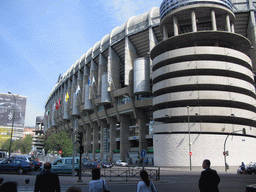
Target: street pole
[
  {"x": 189, "y": 143},
  {"x": 13, "y": 117}
]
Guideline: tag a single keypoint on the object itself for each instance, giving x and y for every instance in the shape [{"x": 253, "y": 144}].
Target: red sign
[
  {"x": 60, "y": 152},
  {"x": 190, "y": 153}
]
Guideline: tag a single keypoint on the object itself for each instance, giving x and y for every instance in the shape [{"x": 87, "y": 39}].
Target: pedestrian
[
  {"x": 209, "y": 179},
  {"x": 97, "y": 184},
  {"x": 74, "y": 189},
  {"x": 145, "y": 185},
  {"x": 47, "y": 181}
]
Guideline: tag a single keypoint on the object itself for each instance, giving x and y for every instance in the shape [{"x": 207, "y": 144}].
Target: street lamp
[
  {"x": 189, "y": 144},
  {"x": 13, "y": 116}
]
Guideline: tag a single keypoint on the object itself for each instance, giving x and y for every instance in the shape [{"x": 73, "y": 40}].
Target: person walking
[
  {"x": 145, "y": 185},
  {"x": 47, "y": 181},
  {"x": 97, "y": 184},
  {"x": 209, "y": 179}
]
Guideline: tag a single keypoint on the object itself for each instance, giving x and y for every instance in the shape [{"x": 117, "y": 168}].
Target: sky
[{"x": 41, "y": 39}]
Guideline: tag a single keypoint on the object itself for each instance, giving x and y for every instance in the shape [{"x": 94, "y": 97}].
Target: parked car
[
  {"x": 251, "y": 168},
  {"x": 105, "y": 164},
  {"x": 22, "y": 157},
  {"x": 89, "y": 165},
  {"x": 15, "y": 165},
  {"x": 121, "y": 163}
]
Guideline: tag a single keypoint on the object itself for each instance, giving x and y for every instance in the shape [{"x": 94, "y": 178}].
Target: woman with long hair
[{"x": 145, "y": 185}]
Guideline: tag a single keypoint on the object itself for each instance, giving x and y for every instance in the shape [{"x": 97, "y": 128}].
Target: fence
[{"x": 129, "y": 174}]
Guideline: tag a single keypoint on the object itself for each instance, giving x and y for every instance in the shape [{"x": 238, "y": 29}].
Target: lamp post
[
  {"x": 13, "y": 116},
  {"x": 189, "y": 143}
]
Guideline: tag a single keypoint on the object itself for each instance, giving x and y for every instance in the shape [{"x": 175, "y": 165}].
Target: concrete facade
[{"x": 198, "y": 82}]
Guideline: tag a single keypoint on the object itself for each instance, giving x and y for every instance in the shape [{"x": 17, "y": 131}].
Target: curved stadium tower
[{"x": 203, "y": 86}]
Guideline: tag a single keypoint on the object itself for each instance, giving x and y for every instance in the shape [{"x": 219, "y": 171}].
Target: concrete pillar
[
  {"x": 88, "y": 139},
  {"x": 80, "y": 83},
  {"x": 214, "y": 25},
  {"x": 102, "y": 69},
  {"x": 152, "y": 43},
  {"x": 232, "y": 27},
  {"x": 193, "y": 21},
  {"x": 175, "y": 26},
  {"x": 113, "y": 70},
  {"x": 70, "y": 93},
  {"x": 228, "y": 28},
  {"x": 102, "y": 127},
  {"x": 112, "y": 135},
  {"x": 165, "y": 33},
  {"x": 124, "y": 137},
  {"x": 93, "y": 80},
  {"x": 85, "y": 81},
  {"x": 95, "y": 139},
  {"x": 142, "y": 131},
  {"x": 130, "y": 55}
]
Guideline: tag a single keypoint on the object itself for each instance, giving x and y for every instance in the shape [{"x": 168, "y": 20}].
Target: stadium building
[{"x": 176, "y": 81}]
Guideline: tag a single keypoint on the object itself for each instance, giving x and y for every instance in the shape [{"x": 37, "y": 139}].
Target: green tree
[{"x": 58, "y": 141}]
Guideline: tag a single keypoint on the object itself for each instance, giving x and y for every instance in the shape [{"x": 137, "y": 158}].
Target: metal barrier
[{"x": 129, "y": 174}]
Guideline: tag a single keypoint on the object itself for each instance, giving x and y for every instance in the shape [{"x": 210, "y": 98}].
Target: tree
[
  {"x": 58, "y": 141},
  {"x": 22, "y": 144}
]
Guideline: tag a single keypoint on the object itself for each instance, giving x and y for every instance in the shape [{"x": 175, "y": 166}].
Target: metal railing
[{"x": 129, "y": 174}]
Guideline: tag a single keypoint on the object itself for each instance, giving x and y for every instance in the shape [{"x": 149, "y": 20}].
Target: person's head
[
  {"x": 206, "y": 164},
  {"x": 47, "y": 166},
  {"x": 74, "y": 189},
  {"x": 10, "y": 186},
  {"x": 95, "y": 173},
  {"x": 144, "y": 177}
]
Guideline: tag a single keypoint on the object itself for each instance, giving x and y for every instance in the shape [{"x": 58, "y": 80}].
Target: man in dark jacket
[
  {"x": 209, "y": 179},
  {"x": 47, "y": 181}
]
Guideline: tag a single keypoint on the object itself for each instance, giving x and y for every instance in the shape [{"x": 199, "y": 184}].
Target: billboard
[{"x": 12, "y": 107}]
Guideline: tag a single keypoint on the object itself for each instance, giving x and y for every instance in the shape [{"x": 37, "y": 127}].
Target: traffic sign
[
  {"x": 143, "y": 153},
  {"x": 190, "y": 153},
  {"x": 60, "y": 152}
]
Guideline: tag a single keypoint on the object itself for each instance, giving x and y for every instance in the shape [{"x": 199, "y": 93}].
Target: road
[{"x": 174, "y": 181}]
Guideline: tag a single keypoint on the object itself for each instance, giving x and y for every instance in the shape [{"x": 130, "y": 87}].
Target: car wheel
[{"x": 20, "y": 171}]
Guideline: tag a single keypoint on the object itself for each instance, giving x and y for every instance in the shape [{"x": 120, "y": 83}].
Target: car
[
  {"x": 89, "y": 165},
  {"x": 121, "y": 163},
  {"x": 105, "y": 164},
  {"x": 37, "y": 164},
  {"x": 15, "y": 165},
  {"x": 22, "y": 157}
]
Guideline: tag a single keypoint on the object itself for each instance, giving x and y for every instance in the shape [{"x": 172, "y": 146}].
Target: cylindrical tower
[{"x": 203, "y": 86}]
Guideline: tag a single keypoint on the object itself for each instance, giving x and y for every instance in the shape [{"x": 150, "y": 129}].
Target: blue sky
[{"x": 40, "y": 39}]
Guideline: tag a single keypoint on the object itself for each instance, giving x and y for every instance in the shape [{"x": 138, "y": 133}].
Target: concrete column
[
  {"x": 175, "y": 26},
  {"x": 113, "y": 70},
  {"x": 214, "y": 25},
  {"x": 124, "y": 137},
  {"x": 228, "y": 23},
  {"x": 142, "y": 129},
  {"x": 88, "y": 139},
  {"x": 102, "y": 127},
  {"x": 165, "y": 33},
  {"x": 93, "y": 80},
  {"x": 95, "y": 139},
  {"x": 130, "y": 55},
  {"x": 232, "y": 27},
  {"x": 69, "y": 92},
  {"x": 193, "y": 21},
  {"x": 112, "y": 135},
  {"x": 85, "y": 81},
  {"x": 80, "y": 83},
  {"x": 102, "y": 69},
  {"x": 152, "y": 43}
]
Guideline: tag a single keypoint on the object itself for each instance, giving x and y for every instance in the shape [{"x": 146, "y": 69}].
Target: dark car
[
  {"x": 37, "y": 164},
  {"x": 15, "y": 165},
  {"x": 105, "y": 164},
  {"x": 89, "y": 164}
]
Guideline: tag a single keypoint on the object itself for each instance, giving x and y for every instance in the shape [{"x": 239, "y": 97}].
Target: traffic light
[
  {"x": 244, "y": 131},
  {"x": 79, "y": 138},
  {"x": 81, "y": 149}
]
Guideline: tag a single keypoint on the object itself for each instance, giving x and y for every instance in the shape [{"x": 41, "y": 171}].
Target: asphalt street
[{"x": 174, "y": 180}]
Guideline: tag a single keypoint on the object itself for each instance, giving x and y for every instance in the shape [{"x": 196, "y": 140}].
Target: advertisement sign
[{"x": 10, "y": 108}]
